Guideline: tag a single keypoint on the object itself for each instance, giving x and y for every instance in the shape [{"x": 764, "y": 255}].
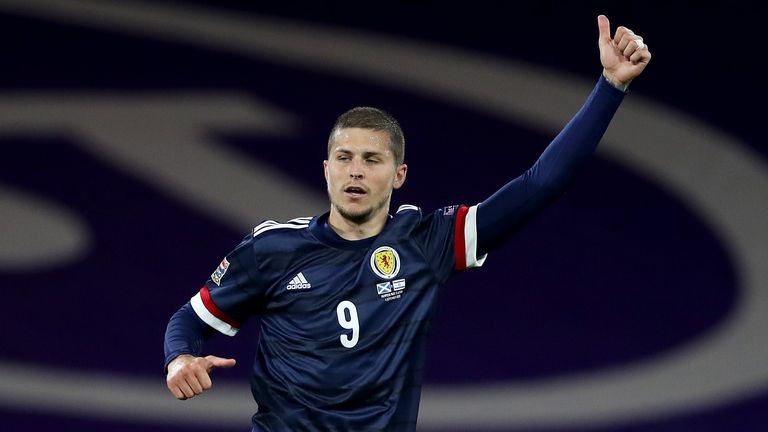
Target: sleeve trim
[
  {"x": 465, "y": 239},
  {"x": 207, "y": 311},
  {"x": 470, "y": 236},
  {"x": 459, "y": 248}
]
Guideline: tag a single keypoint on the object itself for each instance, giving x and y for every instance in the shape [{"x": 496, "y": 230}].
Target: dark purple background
[{"x": 615, "y": 271}]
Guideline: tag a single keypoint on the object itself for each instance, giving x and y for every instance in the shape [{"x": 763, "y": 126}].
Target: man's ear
[
  {"x": 325, "y": 170},
  {"x": 400, "y": 174}
]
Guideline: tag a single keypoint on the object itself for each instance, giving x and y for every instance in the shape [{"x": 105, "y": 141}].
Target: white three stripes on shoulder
[
  {"x": 303, "y": 219},
  {"x": 407, "y": 207},
  {"x": 297, "y": 223}
]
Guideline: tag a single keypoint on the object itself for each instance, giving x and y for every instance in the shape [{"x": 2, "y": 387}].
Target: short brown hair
[{"x": 373, "y": 119}]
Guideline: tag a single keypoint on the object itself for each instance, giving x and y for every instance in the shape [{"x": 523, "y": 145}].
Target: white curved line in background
[
  {"x": 36, "y": 233},
  {"x": 713, "y": 174},
  {"x": 162, "y": 138}
]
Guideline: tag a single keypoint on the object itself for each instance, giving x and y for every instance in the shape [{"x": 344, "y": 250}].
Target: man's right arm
[
  {"x": 186, "y": 333},
  {"x": 221, "y": 305},
  {"x": 187, "y": 372}
]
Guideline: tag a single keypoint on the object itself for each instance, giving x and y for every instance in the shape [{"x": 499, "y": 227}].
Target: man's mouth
[{"x": 354, "y": 191}]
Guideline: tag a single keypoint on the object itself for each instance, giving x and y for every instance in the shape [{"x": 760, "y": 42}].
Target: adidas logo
[{"x": 299, "y": 282}]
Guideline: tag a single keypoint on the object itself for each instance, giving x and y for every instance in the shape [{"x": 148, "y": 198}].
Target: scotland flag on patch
[{"x": 383, "y": 288}]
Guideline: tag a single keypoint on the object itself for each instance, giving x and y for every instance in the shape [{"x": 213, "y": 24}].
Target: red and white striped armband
[
  {"x": 204, "y": 307},
  {"x": 465, "y": 239}
]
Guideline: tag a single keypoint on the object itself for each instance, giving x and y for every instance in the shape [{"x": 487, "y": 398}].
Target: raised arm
[{"x": 623, "y": 57}]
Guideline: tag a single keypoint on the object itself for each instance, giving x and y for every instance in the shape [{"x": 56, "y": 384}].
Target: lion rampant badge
[{"x": 385, "y": 262}]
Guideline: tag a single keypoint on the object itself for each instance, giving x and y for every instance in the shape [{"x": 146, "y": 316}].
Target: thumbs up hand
[{"x": 624, "y": 56}]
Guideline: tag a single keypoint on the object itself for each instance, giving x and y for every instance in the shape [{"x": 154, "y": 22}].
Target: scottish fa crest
[{"x": 385, "y": 262}]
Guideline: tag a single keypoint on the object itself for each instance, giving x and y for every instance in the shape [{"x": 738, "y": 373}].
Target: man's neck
[{"x": 349, "y": 230}]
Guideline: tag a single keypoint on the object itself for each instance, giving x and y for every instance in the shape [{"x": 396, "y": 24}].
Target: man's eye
[{"x": 372, "y": 160}]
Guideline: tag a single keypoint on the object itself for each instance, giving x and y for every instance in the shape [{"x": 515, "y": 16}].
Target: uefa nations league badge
[{"x": 220, "y": 271}]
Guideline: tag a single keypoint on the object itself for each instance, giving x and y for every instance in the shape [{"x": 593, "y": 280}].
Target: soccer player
[{"x": 345, "y": 298}]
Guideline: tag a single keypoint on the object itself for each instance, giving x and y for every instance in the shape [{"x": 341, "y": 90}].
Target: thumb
[
  {"x": 218, "y": 362},
  {"x": 605, "y": 28}
]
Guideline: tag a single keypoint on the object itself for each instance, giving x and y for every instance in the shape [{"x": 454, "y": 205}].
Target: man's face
[{"x": 361, "y": 173}]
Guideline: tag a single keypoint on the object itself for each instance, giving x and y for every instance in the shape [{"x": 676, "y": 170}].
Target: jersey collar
[{"x": 325, "y": 234}]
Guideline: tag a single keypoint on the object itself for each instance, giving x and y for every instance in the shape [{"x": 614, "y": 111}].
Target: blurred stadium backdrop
[{"x": 141, "y": 140}]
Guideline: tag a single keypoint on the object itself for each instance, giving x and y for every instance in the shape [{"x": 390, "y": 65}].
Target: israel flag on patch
[{"x": 384, "y": 288}]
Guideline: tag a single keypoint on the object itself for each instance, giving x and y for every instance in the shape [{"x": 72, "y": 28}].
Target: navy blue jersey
[{"x": 343, "y": 323}]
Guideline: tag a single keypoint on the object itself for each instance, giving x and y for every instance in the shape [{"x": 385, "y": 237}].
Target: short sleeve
[{"x": 229, "y": 295}]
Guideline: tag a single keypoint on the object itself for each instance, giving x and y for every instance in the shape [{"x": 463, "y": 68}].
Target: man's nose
[{"x": 356, "y": 170}]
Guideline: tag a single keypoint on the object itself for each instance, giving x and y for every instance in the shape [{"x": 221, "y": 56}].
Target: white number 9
[{"x": 350, "y": 324}]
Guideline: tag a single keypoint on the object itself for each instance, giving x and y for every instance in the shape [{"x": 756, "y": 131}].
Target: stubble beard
[{"x": 361, "y": 217}]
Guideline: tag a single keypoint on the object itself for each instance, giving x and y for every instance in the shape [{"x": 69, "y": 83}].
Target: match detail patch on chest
[
  {"x": 391, "y": 290},
  {"x": 385, "y": 262}
]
